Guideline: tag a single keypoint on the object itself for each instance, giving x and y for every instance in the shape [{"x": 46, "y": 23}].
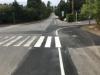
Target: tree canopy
[{"x": 15, "y": 13}]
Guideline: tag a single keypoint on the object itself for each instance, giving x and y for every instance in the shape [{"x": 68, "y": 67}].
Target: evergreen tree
[
  {"x": 35, "y": 10},
  {"x": 75, "y": 5},
  {"x": 33, "y": 3},
  {"x": 40, "y": 8},
  {"x": 49, "y": 6},
  {"x": 61, "y": 7}
]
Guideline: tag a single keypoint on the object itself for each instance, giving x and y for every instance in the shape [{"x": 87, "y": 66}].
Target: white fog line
[
  {"x": 48, "y": 42},
  {"x": 7, "y": 40},
  {"x": 57, "y": 42},
  {"x": 61, "y": 62},
  {"x": 30, "y": 41},
  {"x": 39, "y": 42},
  {"x": 60, "y": 58},
  {"x": 11, "y": 42},
  {"x": 21, "y": 42}
]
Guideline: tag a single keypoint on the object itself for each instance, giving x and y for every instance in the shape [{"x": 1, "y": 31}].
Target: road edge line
[{"x": 60, "y": 58}]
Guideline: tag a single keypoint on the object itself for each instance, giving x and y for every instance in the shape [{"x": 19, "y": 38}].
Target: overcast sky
[{"x": 53, "y": 2}]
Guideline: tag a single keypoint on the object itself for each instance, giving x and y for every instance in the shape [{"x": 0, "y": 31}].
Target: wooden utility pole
[
  {"x": 89, "y": 12},
  {"x": 72, "y": 6},
  {"x": 13, "y": 15}
]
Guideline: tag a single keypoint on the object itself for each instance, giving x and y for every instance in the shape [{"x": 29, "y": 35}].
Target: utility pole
[
  {"x": 89, "y": 12},
  {"x": 72, "y": 6},
  {"x": 76, "y": 16},
  {"x": 13, "y": 15}
]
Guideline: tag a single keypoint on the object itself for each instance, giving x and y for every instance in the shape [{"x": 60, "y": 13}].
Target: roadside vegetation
[
  {"x": 70, "y": 8},
  {"x": 33, "y": 11},
  {"x": 78, "y": 10}
]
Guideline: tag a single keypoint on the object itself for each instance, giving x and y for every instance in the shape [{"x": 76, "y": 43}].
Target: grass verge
[{"x": 94, "y": 29}]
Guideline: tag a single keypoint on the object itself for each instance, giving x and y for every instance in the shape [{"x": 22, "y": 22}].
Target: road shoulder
[{"x": 84, "y": 54}]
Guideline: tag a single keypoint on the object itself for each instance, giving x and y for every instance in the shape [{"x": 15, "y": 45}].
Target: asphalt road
[
  {"x": 46, "y": 48},
  {"x": 30, "y": 49}
]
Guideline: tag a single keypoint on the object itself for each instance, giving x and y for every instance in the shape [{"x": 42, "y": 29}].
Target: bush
[
  {"x": 88, "y": 9},
  {"x": 70, "y": 17},
  {"x": 97, "y": 15},
  {"x": 15, "y": 13},
  {"x": 5, "y": 14},
  {"x": 82, "y": 17}
]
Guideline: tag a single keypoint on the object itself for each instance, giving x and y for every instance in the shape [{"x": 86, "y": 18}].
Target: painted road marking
[
  {"x": 30, "y": 41},
  {"x": 39, "y": 42},
  {"x": 4, "y": 38},
  {"x": 57, "y": 42},
  {"x": 60, "y": 57},
  {"x": 14, "y": 40},
  {"x": 21, "y": 42},
  {"x": 17, "y": 41},
  {"x": 61, "y": 62},
  {"x": 7, "y": 40},
  {"x": 48, "y": 42},
  {"x": 74, "y": 36}
]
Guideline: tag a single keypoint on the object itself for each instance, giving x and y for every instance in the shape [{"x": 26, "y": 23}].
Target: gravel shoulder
[{"x": 94, "y": 29}]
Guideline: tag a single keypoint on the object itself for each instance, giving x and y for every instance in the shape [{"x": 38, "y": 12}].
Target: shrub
[
  {"x": 15, "y": 13},
  {"x": 82, "y": 17},
  {"x": 70, "y": 17},
  {"x": 97, "y": 15}
]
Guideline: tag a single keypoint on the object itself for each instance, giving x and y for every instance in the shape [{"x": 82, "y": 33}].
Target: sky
[
  {"x": 10, "y": 1},
  {"x": 53, "y": 2}
]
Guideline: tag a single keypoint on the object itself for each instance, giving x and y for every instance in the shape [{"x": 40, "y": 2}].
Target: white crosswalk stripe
[
  {"x": 39, "y": 42},
  {"x": 7, "y": 40},
  {"x": 11, "y": 42},
  {"x": 48, "y": 42},
  {"x": 21, "y": 42},
  {"x": 30, "y": 41},
  {"x": 27, "y": 41},
  {"x": 6, "y": 37},
  {"x": 57, "y": 42}
]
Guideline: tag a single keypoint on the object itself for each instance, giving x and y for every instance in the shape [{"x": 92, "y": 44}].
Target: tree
[
  {"x": 69, "y": 7},
  {"x": 41, "y": 10},
  {"x": 17, "y": 11},
  {"x": 88, "y": 9},
  {"x": 97, "y": 3},
  {"x": 5, "y": 8},
  {"x": 48, "y": 4},
  {"x": 75, "y": 5},
  {"x": 92, "y": 8},
  {"x": 5, "y": 13},
  {"x": 49, "y": 7},
  {"x": 61, "y": 7},
  {"x": 33, "y": 3},
  {"x": 35, "y": 10}
]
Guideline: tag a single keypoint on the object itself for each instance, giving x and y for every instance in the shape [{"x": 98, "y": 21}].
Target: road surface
[{"x": 48, "y": 47}]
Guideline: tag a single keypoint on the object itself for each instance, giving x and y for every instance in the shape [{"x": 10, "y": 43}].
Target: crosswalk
[
  {"x": 48, "y": 43},
  {"x": 28, "y": 41}
]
